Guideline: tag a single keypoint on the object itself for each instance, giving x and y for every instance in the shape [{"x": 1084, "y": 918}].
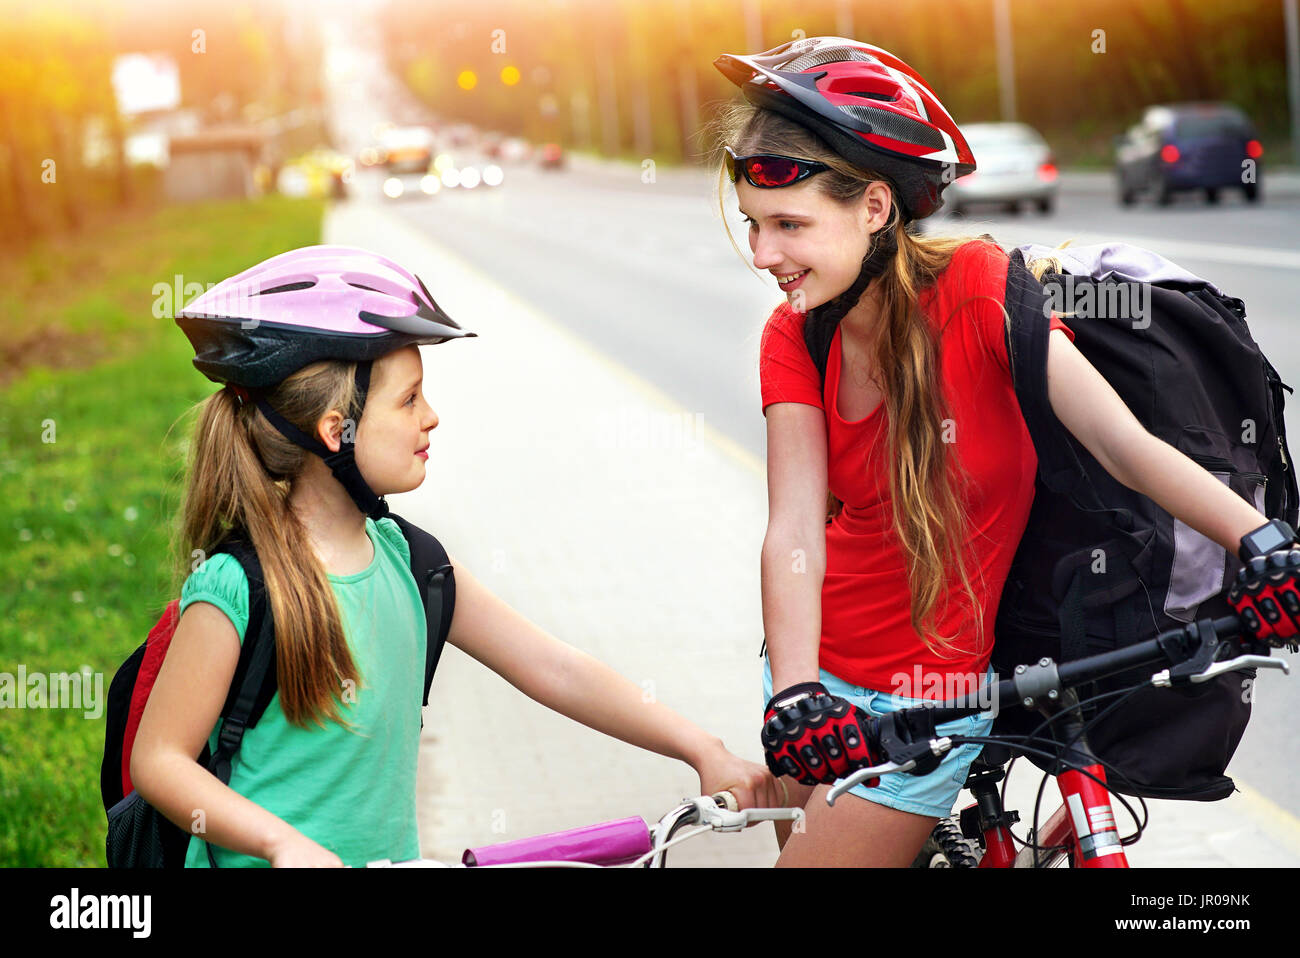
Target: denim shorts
[{"x": 934, "y": 794}]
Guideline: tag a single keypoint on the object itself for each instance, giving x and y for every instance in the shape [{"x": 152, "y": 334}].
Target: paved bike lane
[{"x": 626, "y": 526}]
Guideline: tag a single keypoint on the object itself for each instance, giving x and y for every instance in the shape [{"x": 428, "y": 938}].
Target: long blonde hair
[
  {"x": 239, "y": 478},
  {"x": 926, "y": 487}
]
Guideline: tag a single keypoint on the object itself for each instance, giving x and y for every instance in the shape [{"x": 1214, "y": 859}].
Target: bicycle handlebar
[
  {"x": 624, "y": 842},
  {"x": 1189, "y": 650}
]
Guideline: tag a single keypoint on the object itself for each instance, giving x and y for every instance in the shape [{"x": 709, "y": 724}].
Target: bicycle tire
[{"x": 947, "y": 847}]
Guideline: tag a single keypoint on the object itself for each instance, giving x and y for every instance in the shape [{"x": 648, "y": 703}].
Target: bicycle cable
[
  {"x": 1141, "y": 826},
  {"x": 1027, "y": 749},
  {"x": 1118, "y": 779},
  {"x": 1054, "y": 758},
  {"x": 663, "y": 849}
]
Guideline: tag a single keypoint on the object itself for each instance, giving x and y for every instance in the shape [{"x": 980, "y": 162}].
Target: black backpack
[
  {"x": 138, "y": 836},
  {"x": 1100, "y": 566}
]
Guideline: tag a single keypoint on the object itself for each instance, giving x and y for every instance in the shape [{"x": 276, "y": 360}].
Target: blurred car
[
  {"x": 466, "y": 176},
  {"x": 320, "y": 173},
  {"x": 515, "y": 149},
  {"x": 1180, "y": 147},
  {"x": 1013, "y": 165},
  {"x": 461, "y": 135},
  {"x": 550, "y": 156},
  {"x": 441, "y": 173},
  {"x": 407, "y": 158}
]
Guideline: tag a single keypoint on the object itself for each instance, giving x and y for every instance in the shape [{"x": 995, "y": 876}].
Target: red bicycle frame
[{"x": 1083, "y": 828}]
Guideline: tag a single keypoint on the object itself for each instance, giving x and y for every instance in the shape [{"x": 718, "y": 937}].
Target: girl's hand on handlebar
[
  {"x": 815, "y": 737},
  {"x": 1266, "y": 596},
  {"x": 299, "y": 851},
  {"x": 751, "y": 783}
]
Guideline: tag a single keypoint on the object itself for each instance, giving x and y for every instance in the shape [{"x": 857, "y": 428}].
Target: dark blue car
[{"x": 1179, "y": 147}]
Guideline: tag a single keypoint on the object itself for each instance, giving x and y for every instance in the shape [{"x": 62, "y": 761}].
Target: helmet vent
[
  {"x": 896, "y": 127},
  {"x": 288, "y": 287},
  {"x": 832, "y": 55},
  {"x": 368, "y": 289}
]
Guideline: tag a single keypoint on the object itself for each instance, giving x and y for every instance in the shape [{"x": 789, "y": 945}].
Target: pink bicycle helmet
[
  {"x": 871, "y": 107},
  {"x": 319, "y": 302},
  {"x": 255, "y": 329}
]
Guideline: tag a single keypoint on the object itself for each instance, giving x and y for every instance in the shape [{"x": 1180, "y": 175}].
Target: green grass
[{"x": 86, "y": 519}]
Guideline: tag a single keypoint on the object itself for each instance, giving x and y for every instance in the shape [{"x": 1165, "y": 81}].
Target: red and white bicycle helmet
[
  {"x": 257, "y": 328},
  {"x": 868, "y": 105}
]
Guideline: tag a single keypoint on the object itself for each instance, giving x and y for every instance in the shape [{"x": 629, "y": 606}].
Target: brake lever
[
  {"x": 863, "y": 775},
  {"x": 724, "y": 820},
  {"x": 1162, "y": 679}
]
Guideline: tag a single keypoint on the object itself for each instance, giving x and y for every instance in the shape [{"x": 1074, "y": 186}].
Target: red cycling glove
[
  {"x": 1266, "y": 597},
  {"x": 816, "y": 737}
]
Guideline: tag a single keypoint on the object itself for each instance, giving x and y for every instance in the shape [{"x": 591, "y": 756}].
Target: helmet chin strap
[{"x": 342, "y": 463}]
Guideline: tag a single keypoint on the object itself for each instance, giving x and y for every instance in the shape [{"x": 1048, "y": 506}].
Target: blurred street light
[
  {"x": 843, "y": 18},
  {"x": 754, "y": 25},
  {"x": 467, "y": 80},
  {"x": 510, "y": 75},
  {"x": 1006, "y": 59},
  {"x": 1292, "y": 18}
]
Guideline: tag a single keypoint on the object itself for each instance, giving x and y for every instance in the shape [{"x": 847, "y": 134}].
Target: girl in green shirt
[{"x": 322, "y": 415}]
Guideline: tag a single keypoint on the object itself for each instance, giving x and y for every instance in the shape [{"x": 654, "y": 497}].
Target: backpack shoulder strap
[
  {"x": 260, "y": 630},
  {"x": 818, "y": 331},
  {"x": 1028, "y": 326},
  {"x": 253, "y": 685},
  {"x": 435, "y": 578}
]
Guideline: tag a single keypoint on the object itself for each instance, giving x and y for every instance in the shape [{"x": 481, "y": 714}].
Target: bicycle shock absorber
[{"x": 987, "y": 813}]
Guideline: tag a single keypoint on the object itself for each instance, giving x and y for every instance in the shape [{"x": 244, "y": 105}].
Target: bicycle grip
[
  {"x": 726, "y": 800},
  {"x": 606, "y": 843}
]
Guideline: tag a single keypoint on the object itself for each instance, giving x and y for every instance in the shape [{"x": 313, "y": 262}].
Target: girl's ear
[
  {"x": 332, "y": 428},
  {"x": 877, "y": 204}
]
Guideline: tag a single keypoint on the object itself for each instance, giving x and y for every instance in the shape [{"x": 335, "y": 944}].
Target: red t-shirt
[{"x": 867, "y": 637}]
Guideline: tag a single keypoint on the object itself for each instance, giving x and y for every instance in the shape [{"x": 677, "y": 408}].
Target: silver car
[{"x": 1013, "y": 165}]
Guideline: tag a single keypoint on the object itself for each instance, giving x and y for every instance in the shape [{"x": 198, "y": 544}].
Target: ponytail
[{"x": 240, "y": 476}]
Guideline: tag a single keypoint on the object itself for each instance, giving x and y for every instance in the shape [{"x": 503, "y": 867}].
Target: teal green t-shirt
[{"x": 352, "y": 791}]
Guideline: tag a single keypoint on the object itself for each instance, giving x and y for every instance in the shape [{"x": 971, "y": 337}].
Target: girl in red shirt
[{"x": 916, "y": 433}]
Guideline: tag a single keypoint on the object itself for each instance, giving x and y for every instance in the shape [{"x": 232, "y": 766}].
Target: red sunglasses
[{"x": 768, "y": 171}]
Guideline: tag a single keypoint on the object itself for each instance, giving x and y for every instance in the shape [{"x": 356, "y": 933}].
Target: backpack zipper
[{"x": 1215, "y": 464}]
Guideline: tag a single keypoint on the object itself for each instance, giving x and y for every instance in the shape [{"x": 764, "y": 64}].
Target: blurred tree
[
  {"x": 54, "y": 77},
  {"x": 1084, "y": 71},
  {"x": 236, "y": 60}
]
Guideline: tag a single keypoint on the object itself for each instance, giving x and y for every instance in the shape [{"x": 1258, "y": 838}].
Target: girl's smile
[{"x": 791, "y": 282}]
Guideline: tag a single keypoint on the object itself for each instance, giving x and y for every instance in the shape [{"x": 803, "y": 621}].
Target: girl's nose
[{"x": 766, "y": 254}]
